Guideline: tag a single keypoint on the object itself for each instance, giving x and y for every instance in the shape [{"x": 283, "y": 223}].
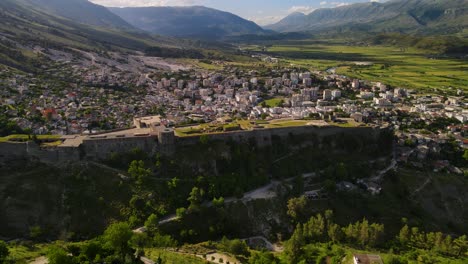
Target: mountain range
[
  {"x": 25, "y": 24},
  {"x": 189, "y": 22},
  {"x": 408, "y": 16},
  {"x": 80, "y": 11}
]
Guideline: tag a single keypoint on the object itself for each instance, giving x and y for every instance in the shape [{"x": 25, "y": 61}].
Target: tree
[
  {"x": 92, "y": 250},
  {"x": 376, "y": 234},
  {"x": 296, "y": 207},
  {"x": 138, "y": 171},
  {"x": 263, "y": 258},
  {"x": 180, "y": 212},
  {"x": 152, "y": 224},
  {"x": 404, "y": 235},
  {"x": 461, "y": 246},
  {"x": 293, "y": 247},
  {"x": 364, "y": 232},
  {"x": 4, "y": 252},
  {"x": 195, "y": 198},
  {"x": 314, "y": 229},
  {"x": 163, "y": 241},
  {"x": 35, "y": 232},
  {"x": 57, "y": 255},
  {"x": 218, "y": 202},
  {"x": 335, "y": 233},
  {"x": 140, "y": 240},
  {"x": 117, "y": 236},
  {"x": 235, "y": 246},
  {"x": 172, "y": 184}
]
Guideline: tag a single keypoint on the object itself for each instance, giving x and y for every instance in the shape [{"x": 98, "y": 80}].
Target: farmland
[{"x": 404, "y": 67}]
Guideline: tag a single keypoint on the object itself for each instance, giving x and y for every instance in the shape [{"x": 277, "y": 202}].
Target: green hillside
[
  {"x": 413, "y": 16},
  {"x": 81, "y": 11}
]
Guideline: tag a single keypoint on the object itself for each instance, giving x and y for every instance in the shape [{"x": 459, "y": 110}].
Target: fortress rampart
[{"x": 165, "y": 142}]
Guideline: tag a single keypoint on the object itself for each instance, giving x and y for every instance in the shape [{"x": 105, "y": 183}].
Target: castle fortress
[{"x": 152, "y": 137}]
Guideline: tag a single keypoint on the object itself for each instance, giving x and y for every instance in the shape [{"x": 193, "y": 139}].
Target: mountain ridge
[
  {"x": 412, "y": 16},
  {"x": 81, "y": 11},
  {"x": 190, "y": 21}
]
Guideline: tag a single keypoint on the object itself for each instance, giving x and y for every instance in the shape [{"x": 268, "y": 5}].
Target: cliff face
[
  {"x": 71, "y": 194},
  {"x": 76, "y": 200}
]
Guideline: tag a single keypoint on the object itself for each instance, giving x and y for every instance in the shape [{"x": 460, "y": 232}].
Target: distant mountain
[
  {"x": 189, "y": 22},
  {"x": 405, "y": 16},
  {"x": 81, "y": 11},
  {"x": 296, "y": 19}
]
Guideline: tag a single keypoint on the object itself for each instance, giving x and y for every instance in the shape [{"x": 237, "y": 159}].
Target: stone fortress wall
[
  {"x": 164, "y": 141},
  {"x": 263, "y": 137}
]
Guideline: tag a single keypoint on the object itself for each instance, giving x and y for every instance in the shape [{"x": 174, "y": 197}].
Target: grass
[
  {"x": 287, "y": 123},
  {"x": 206, "y": 129},
  {"x": 274, "y": 102},
  {"x": 24, "y": 138},
  {"x": 52, "y": 144},
  {"x": 172, "y": 257},
  {"x": 348, "y": 123},
  {"x": 409, "y": 68},
  {"x": 25, "y": 254}
]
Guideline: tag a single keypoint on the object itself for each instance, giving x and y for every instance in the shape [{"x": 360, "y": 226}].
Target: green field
[
  {"x": 408, "y": 68},
  {"x": 172, "y": 257},
  {"x": 211, "y": 128},
  {"x": 274, "y": 102},
  {"x": 23, "y": 138}
]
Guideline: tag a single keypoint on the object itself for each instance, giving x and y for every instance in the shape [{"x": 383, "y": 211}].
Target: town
[{"x": 93, "y": 94}]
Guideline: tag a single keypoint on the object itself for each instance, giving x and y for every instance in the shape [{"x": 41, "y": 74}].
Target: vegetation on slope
[{"x": 430, "y": 17}]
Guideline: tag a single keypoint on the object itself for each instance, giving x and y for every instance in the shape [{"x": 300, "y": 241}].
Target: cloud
[
  {"x": 266, "y": 20},
  {"x": 338, "y": 4},
  {"x": 125, "y": 3},
  {"x": 303, "y": 9}
]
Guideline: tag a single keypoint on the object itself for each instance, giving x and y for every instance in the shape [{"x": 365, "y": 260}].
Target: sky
[{"x": 263, "y": 12}]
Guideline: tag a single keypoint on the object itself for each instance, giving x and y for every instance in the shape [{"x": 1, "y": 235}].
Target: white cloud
[
  {"x": 303, "y": 9},
  {"x": 125, "y": 3},
  {"x": 338, "y": 4},
  {"x": 266, "y": 20}
]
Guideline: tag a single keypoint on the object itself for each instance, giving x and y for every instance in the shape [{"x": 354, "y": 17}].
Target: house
[
  {"x": 367, "y": 259},
  {"x": 50, "y": 113}
]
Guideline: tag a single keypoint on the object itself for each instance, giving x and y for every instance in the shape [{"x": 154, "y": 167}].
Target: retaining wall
[{"x": 102, "y": 148}]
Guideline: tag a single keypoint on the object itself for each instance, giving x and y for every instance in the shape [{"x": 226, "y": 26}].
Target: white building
[
  {"x": 327, "y": 94},
  {"x": 336, "y": 94},
  {"x": 366, "y": 95},
  {"x": 355, "y": 84}
]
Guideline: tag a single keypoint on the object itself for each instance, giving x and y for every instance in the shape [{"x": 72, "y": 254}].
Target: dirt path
[
  {"x": 147, "y": 260},
  {"x": 428, "y": 180},
  {"x": 268, "y": 244}
]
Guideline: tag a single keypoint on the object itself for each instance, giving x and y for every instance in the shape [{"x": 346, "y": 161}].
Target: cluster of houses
[{"x": 81, "y": 99}]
